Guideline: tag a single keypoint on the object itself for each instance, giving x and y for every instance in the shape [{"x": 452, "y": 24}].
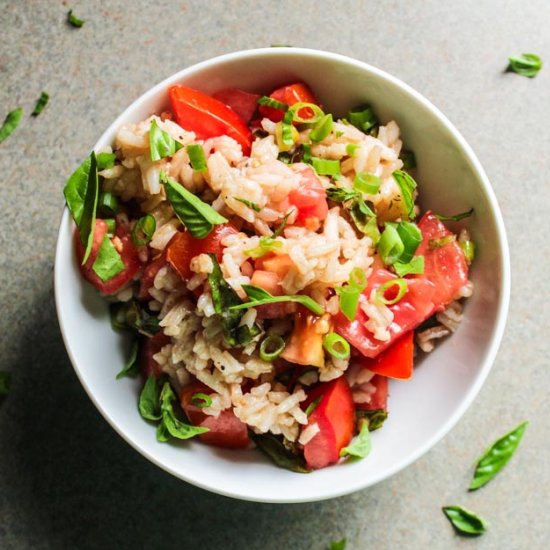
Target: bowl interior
[{"x": 445, "y": 381}]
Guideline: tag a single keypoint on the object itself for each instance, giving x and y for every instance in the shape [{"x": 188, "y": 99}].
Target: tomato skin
[
  {"x": 243, "y": 103},
  {"x": 208, "y": 117},
  {"x": 226, "y": 430},
  {"x": 290, "y": 94},
  {"x": 309, "y": 198},
  {"x": 335, "y": 416},
  {"x": 183, "y": 247},
  {"x": 149, "y": 346},
  {"x": 129, "y": 256},
  {"x": 379, "y": 399},
  {"x": 148, "y": 277},
  {"x": 396, "y": 361},
  {"x": 444, "y": 266}
]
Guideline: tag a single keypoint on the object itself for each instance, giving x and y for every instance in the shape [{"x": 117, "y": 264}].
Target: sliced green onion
[
  {"x": 409, "y": 159},
  {"x": 73, "y": 20},
  {"x": 322, "y": 129},
  {"x": 250, "y": 204},
  {"x": 105, "y": 161},
  {"x": 111, "y": 225},
  {"x": 390, "y": 245},
  {"x": 469, "y": 250},
  {"x": 271, "y": 348},
  {"x": 363, "y": 117},
  {"x": 456, "y": 217},
  {"x": 336, "y": 346},
  {"x": 317, "y": 113},
  {"x": 306, "y": 157},
  {"x": 201, "y": 400},
  {"x": 351, "y": 148},
  {"x": 433, "y": 244},
  {"x": 10, "y": 124},
  {"x": 267, "y": 244},
  {"x": 407, "y": 185},
  {"x": 197, "y": 157},
  {"x": 349, "y": 300},
  {"x": 411, "y": 237},
  {"x": 285, "y": 133},
  {"x": 313, "y": 405},
  {"x": 107, "y": 204},
  {"x": 414, "y": 267},
  {"x": 339, "y": 133},
  {"x": 326, "y": 167},
  {"x": 367, "y": 183},
  {"x": 526, "y": 64},
  {"x": 144, "y": 229},
  {"x": 40, "y": 104},
  {"x": 357, "y": 279},
  {"x": 381, "y": 291},
  {"x": 273, "y": 103}
]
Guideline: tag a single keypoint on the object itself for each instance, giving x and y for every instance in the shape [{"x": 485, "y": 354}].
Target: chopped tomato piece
[
  {"x": 208, "y": 117},
  {"x": 243, "y": 103},
  {"x": 148, "y": 277},
  {"x": 379, "y": 399},
  {"x": 334, "y": 415},
  {"x": 290, "y": 94},
  {"x": 309, "y": 198},
  {"x": 183, "y": 247},
  {"x": 128, "y": 254},
  {"x": 226, "y": 430},
  {"x": 147, "y": 348},
  {"x": 396, "y": 361}
]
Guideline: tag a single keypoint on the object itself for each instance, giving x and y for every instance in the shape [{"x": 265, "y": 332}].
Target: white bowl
[{"x": 421, "y": 411}]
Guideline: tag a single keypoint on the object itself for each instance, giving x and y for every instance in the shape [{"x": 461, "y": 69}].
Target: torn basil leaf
[
  {"x": 365, "y": 220},
  {"x": 161, "y": 143},
  {"x": 341, "y": 194},
  {"x": 274, "y": 449},
  {"x": 73, "y": 20},
  {"x": 250, "y": 204},
  {"x": 5, "y": 382},
  {"x": 464, "y": 521},
  {"x": 198, "y": 217},
  {"x": 525, "y": 64},
  {"x": 40, "y": 104},
  {"x": 131, "y": 368},
  {"x": 108, "y": 262},
  {"x": 361, "y": 445},
  {"x": 149, "y": 404},
  {"x": 86, "y": 226},
  {"x": 338, "y": 544},
  {"x": 132, "y": 316},
  {"x": 456, "y": 217},
  {"x": 407, "y": 186},
  {"x": 10, "y": 123},
  {"x": 497, "y": 456},
  {"x": 197, "y": 158},
  {"x": 375, "y": 418}
]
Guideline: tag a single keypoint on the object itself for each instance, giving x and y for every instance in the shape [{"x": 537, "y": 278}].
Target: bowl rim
[{"x": 504, "y": 268}]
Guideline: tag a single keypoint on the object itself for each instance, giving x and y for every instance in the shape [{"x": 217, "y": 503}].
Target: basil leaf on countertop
[
  {"x": 464, "y": 521},
  {"x": 148, "y": 404},
  {"x": 40, "y": 104},
  {"x": 5, "y": 382},
  {"x": 10, "y": 123},
  {"x": 74, "y": 21},
  {"x": 497, "y": 456},
  {"x": 275, "y": 450},
  {"x": 176, "y": 428},
  {"x": 131, "y": 368},
  {"x": 161, "y": 143},
  {"x": 360, "y": 446},
  {"x": 198, "y": 217},
  {"x": 338, "y": 544},
  {"x": 108, "y": 262},
  {"x": 526, "y": 64}
]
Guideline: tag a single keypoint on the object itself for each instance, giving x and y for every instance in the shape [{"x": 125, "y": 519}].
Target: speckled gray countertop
[{"x": 66, "y": 479}]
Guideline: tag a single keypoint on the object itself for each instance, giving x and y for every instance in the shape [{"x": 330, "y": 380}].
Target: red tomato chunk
[{"x": 290, "y": 95}]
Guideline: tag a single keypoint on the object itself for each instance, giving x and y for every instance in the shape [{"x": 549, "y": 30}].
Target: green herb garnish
[
  {"x": 249, "y": 204},
  {"x": 271, "y": 347},
  {"x": 144, "y": 229},
  {"x": 274, "y": 448},
  {"x": 497, "y": 456},
  {"x": 414, "y": 267},
  {"x": 40, "y": 104},
  {"x": 338, "y": 545},
  {"x": 10, "y": 123},
  {"x": 526, "y": 64},
  {"x": 322, "y": 129},
  {"x": 464, "y": 521},
  {"x": 456, "y": 217},
  {"x": 360, "y": 447},
  {"x": 148, "y": 404},
  {"x": 197, "y": 158},
  {"x": 107, "y": 204},
  {"x": 363, "y": 118},
  {"x": 407, "y": 185},
  {"x": 108, "y": 262},
  {"x": 105, "y": 161},
  {"x": 326, "y": 167},
  {"x": 161, "y": 143},
  {"x": 336, "y": 345},
  {"x": 133, "y": 317},
  {"x": 273, "y": 103},
  {"x": 201, "y": 400},
  {"x": 131, "y": 368},
  {"x": 73, "y": 20},
  {"x": 375, "y": 418}
]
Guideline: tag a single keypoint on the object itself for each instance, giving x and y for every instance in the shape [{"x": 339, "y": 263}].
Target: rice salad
[{"x": 272, "y": 266}]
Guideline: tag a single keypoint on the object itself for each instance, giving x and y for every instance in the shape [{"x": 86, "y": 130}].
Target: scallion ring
[
  {"x": 336, "y": 346},
  {"x": 310, "y": 108},
  {"x": 201, "y": 400},
  {"x": 111, "y": 225},
  {"x": 326, "y": 167},
  {"x": 349, "y": 300},
  {"x": 322, "y": 129},
  {"x": 144, "y": 230},
  {"x": 367, "y": 183},
  {"x": 401, "y": 289},
  {"x": 273, "y": 103},
  {"x": 390, "y": 245},
  {"x": 271, "y": 347},
  {"x": 357, "y": 279},
  {"x": 107, "y": 204}
]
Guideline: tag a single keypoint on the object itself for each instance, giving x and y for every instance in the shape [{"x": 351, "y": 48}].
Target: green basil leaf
[
  {"x": 132, "y": 316},
  {"x": 197, "y": 158},
  {"x": 341, "y": 194},
  {"x": 375, "y": 418},
  {"x": 250, "y": 204},
  {"x": 361, "y": 446},
  {"x": 10, "y": 123},
  {"x": 313, "y": 405},
  {"x": 259, "y": 297},
  {"x": 414, "y": 267},
  {"x": 162, "y": 433},
  {"x": 526, "y": 64},
  {"x": 131, "y": 368},
  {"x": 338, "y": 544},
  {"x": 86, "y": 226},
  {"x": 464, "y": 521},
  {"x": 40, "y": 104},
  {"x": 198, "y": 217},
  {"x": 108, "y": 262},
  {"x": 267, "y": 244},
  {"x": 363, "y": 118},
  {"x": 246, "y": 334},
  {"x": 5, "y": 382},
  {"x": 411, "y": 237},
  {"x": 274, "y": 449},
  {"x": 278, "y": 232},
  {"x": 497, "y": 456},
  {"x": 407, "y": 185},
  {"x": 75, "y": 190},
  {"x": 161, "y": 143},
  {"x": 455, "y": 218},
  {"x": 365, "y": 220},
  {"x": 176, "y": 428},
  {"x": 73, "y": 20},
  {"x": 105, "y": 160},
  {"x": 149, "y": 404}
]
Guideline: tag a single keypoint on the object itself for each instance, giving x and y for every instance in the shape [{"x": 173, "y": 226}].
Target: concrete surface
[{"x": 66, "y": 479}]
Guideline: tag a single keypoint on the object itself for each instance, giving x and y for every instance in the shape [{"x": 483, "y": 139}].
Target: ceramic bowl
[{"x": 445, "y": 381}]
